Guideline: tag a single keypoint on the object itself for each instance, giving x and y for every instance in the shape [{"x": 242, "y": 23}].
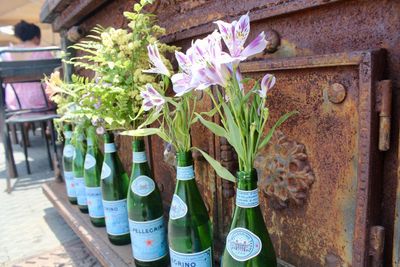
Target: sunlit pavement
[{"x": 32, "y": 233}]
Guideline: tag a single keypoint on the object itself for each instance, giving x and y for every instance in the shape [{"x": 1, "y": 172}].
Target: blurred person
[{"x": 26, "y": 95}]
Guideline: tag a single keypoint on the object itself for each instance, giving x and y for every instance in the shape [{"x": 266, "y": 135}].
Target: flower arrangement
[
  {"x": 243, "y": 114},
  {"x": 117, "y": 57},
  {"x": 175, "y": 115}
]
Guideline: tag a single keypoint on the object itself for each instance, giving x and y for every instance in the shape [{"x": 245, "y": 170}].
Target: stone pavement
[{"x": 32, "y": 233}]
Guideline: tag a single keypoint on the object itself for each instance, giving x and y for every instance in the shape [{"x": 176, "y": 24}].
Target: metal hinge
[
  {"x": 384, "y": 107},
  {"x": 376, "y": 245}
]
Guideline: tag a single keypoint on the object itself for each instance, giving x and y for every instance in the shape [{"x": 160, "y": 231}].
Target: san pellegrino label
[
  {"x": 199, "y": 259},
  {"x": 139, "y": 157},
  {"x": 149, "y": 241},
  {"x": 95, "y": 202},
  {"x": 143, "y": 186},
  {"x": 247, "y": 199},
  {"x": 242, "y": 244},
  {"x": 105, "y": 171},
  {"x": 79, "y": 183},
  {"x": 68, "y": 151},
  {"x": 185, "y": 173},
  {"x": 90, "y": 161},
  {"x": 178, "y": 208},
  {"x": 69, "y": 182},
  {"x": 116, "y": 215}
]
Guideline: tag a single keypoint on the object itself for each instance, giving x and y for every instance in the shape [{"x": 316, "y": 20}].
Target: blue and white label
[
  {"x": 80, "y": 190},
  {"x": 95, "y": 202},
  {"x": 116, "y": 216},
  {"x": 149, "y": 239},
  {"x": 90, "y": 162},
  {"x": 105, "y": 171},
  {"x": 139, "y": 157},
  {"x": 199, "y": 259},
  {"x": 178, "y": 208},
  {"x": 247, "y": 199},
  {"x": 69, "y": 183},
  {"x": 185, "y": 173},
  {"x": 143, "y": 186},
  {"x": 110, "y": 148},
  {"x": 242, "y": 244},
  {"x": 68, "y": 151}
]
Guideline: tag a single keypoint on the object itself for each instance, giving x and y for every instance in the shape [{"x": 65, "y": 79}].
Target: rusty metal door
[{"x": 320, "y": 176}]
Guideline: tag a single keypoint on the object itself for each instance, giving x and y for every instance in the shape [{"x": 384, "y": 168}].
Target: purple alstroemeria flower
[
  {"x": 235, "y": 35},
  {"x": 151, "y": 98},
  {"x": 155, "y": 58},
  {"x": 267, "y": 82},
  {"x": 182, "y": 81},
  {"x": 208, "y": 67}
]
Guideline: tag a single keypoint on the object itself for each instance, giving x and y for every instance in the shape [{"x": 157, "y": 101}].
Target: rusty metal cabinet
[{"x": 329, "y": 179}]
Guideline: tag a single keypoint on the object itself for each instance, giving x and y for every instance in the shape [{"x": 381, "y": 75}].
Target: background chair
[{"x": 20, "y": 72}]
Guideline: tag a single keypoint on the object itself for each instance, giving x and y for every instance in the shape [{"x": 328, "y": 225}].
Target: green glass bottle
[
  {"x": 68, "y": 155},
  {"x": 114, "y": 185},
  {"x": 189, "y": 226},
  {"x": 146, "y": 221},
  {"x": 248, "y": 243},
  {"x": 78, "y": 167},
  {"x": 93, "y": 163}
]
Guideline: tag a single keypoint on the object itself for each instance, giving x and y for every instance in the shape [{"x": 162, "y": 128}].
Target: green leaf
[
  {"x": 147, "y": 132},
  {"x": 142, "y": 132},
  {"x": 213, "y": 127},
  {"x": 219, "y": 169},
  {"x": 277, "y": 124},
  {"x": 233, "y": 135}
]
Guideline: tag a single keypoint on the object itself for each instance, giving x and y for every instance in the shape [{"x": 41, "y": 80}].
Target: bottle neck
[
  {"x": 247, "y": 190},
  {"x": 247, "y": 180},
  {"x": 138, "y": 151},
  {"x": 109, "y": 145},
  {"x": 68, "y": 136},
  {"x": 184, "y": 166}
]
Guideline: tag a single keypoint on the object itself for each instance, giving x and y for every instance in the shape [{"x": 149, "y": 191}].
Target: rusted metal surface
[
  {"x": 75, "y": 12},
  {"x": 334, "y": 224},
  {"x": 336, "y": 93},
  {"x": 289, "y": 175},
  {"x": 377, "y": 241},
  {"x": 338, "y": 148},
  {"x": 384, "y": 107}
]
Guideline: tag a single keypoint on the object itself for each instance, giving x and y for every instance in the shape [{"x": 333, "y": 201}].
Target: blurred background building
[{"x": 11, "y": 12}]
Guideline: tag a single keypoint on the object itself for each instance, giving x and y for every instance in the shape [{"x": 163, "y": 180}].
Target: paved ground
[{"x": 32, "y": 233}]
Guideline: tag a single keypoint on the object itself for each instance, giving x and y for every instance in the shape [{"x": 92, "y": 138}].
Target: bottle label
[
  {"x": 68, "y": 134},
  {"x": 143, "y": 186},
  {"x": 68, "y": 151},
  {"x": 247, "y": 199},
  {"x": 90, "y": 161},
  {"x": 199, "y": 259},
  {"x": 110, "y": 148},
  {"x": 69, "y": 183},
  {"x": 149, "y": 239},
  {"x": 105, "y": 171},
  {"x": 242, "y": 244},
  {"x": 139, "y": 157},
  {"x": 80, "y": 190},
  {"x": 94, "y": 202},
  {"x": 185, "y": 173},
  {"x": 116, "y": 216},
  {"x": 178, "y": 208}
]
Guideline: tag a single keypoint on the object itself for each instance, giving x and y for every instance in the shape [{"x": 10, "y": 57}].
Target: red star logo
[{"x": 149, "y": 243}]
